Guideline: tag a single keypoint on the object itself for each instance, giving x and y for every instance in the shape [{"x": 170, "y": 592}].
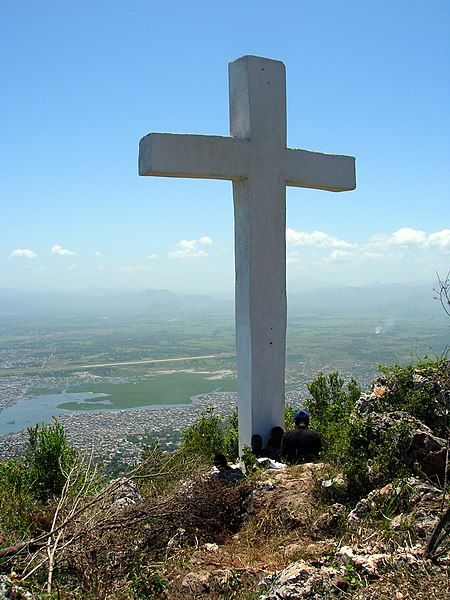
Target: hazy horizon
[{"x": 296, "y": 286}]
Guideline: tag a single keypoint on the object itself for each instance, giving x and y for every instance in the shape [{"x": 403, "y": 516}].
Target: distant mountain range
[
  {"x": 105, "y": 301},
  {"x": 392, "y": 299}
]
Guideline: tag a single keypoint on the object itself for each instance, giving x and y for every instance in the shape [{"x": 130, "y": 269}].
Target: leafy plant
[
  {"x": 48, "y": 459},
  {"x": 205, "y": 437},
  {"x": 421, "y": 389},
  {"x": 331, "y": 405},
  {"x": 372, "y": 459},
  {"x": 330, "y": 402},
  {"x": 28, "y": 483},
  {"x": 231, "y": 437},
  {"x": 210, "y": 435},
  {"x": 148, "y": 584},
  {"x": 18, "y": 508}
]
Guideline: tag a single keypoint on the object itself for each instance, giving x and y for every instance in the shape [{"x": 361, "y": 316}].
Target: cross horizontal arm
[
  {"x": 197, "y": 156},
  {"x": 332, "y": 172}
]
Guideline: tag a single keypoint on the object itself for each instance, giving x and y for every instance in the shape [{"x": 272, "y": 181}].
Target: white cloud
[
  {"x": 187, "y": 244},
  {"x": 192, "y": 248},
  {"x": 61, "y": 251},
  {"x": 315, "y": 238},
  {"x": 23, "y": 253},
  {"x": 407, "y": 236},
  {"x": 205, "y": 241},
  {"x": 440, "y": 238},
  {"x": 97, "y": 253},
  {"x": 152, "y": 256},
  {"x": 339, "y": 256}
]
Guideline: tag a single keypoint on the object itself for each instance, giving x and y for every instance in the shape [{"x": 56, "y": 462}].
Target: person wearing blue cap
[{"x": 300, "y": 445}]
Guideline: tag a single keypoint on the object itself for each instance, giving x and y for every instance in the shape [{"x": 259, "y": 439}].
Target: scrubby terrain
[{"x": 370, "y": 520}]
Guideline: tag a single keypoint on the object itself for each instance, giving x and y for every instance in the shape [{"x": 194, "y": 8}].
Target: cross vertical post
[{"x": 258, "y": 113}]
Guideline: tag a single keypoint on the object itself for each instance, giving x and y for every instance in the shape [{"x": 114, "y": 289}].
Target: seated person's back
[
  {"x": 302, "y": 444},
  {"x": 257, "y": 445},
  {"x": 274, "y": 443},
  {"x": 226, "y": 473}
]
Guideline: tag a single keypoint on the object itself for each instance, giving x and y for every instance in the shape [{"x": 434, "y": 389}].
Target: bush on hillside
[
  {"x": 371, "y": 459},
  {"x": 49, "y": 458},
  {"x": 331, "y": 405},
  {"x": 331, "y": 399},
  {"x": 172, "y": 469},
  {"x": 202, "y": 510},
  {"x": 28, "y": 483},
  {"x": 369, "y": 456},
  {"x": 19, "y": 509},
  {"x": 421, "y": 389},
  {"x": 210, "y": 435}
]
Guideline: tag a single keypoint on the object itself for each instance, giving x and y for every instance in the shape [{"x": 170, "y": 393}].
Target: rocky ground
[{"x": 292, "y": 546}]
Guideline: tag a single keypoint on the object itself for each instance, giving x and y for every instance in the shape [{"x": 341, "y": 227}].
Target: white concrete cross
[{"x": 255, "y": 158}]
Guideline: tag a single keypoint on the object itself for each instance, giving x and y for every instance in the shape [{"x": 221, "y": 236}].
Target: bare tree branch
[{"x": 443, "y": 292}]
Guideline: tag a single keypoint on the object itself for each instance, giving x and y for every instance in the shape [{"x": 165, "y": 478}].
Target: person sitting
[
  {"x": 301, "y": 445},
  {"x": 274, "y": 443},
  {"x": 227, "y": 474},
  {"x": 256, "y": 444}
]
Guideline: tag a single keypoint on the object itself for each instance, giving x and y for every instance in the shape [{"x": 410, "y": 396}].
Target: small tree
[
  {"x": 48, "y": 458},
  {"x": 330, "y": 402},
  {"x": 205, "y": 437}
]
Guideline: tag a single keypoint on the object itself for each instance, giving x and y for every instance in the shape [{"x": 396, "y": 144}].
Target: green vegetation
[
  {"x": 29, "y": 483},
  {"x": 420, "y": 401},
  {"x": 48, "y": 460},
  {"x": 331, "y": 405},
  {"x": 211, "y": 435},
  {"x": 367, "y": 455}
]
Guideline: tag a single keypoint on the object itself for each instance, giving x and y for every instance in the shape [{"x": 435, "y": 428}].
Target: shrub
[
  {"x": 18, "y": 508},
  {"x": 289, "y": 413},
  {"x": 172, "y": 468},
  {"x": 371, "y": 459},
  {"x": 231, "y": 437},
  {"x": 209, "y": 510},
  {"x": 330, "y": 402},
  {"x": 28, "y": 483},
  {"x": 331, "y": 405},
  {"x": 421, "y": 389},
  {"x": 148, "y": 584},
  {"x": 48, "y": 459},
  {"x": 205, "y": 437},
  {"x": 210, "y": 435},
  {"x": 367, "y": 455}
]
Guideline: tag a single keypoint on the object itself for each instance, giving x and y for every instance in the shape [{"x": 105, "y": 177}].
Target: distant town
[{"x": 117, "y": 437}]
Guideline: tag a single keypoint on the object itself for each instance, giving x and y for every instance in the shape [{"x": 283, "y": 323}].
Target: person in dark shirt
[
  {"x": 257, "y": 445},
  {"x": 300, "y": 445},
  {"x": 274, "y": 443},
  {"x": 227, "y": 474}
]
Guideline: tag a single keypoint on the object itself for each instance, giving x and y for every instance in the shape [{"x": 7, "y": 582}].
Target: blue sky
[{"x": 84, "y": 81}]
